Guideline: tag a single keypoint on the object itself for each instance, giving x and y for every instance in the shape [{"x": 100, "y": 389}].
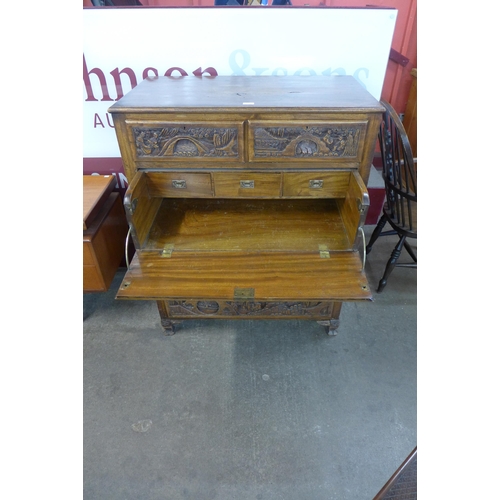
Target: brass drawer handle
[
  {"x": 315, "y": 184},
  {"x": 247, "y": 184},
  {"x": 179, "y": 184}
]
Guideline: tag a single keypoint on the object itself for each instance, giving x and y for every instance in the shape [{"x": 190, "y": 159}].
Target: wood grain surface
[
  {"x": 96, "y": 189},
  {"x": 223, "y": 225},
  {"x": 273, "y": 276}
]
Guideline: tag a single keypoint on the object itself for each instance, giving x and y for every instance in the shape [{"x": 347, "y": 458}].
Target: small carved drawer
[
  {"x": 162, "y": 141},
  {"x": 247, "y": 184},
  {"x": 179, "y": 184},
  {"x": 311, "y": 141},
  {"x": 316, "y": 184}
]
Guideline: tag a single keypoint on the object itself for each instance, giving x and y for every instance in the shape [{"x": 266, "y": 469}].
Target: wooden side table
[{"x": 104, "y": 232}]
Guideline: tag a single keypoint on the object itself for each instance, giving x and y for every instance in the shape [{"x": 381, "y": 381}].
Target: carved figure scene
[
  {"x": 297, "y": 142},
  {"x": 183, "y": 308},
  {"x": 186, "y": 142}
]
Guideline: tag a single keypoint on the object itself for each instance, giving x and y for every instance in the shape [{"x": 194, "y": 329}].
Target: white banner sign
[{"x": 123, "y": 46}]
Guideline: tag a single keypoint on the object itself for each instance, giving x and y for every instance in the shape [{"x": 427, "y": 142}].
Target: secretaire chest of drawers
[{"x": 247, "y": 195}]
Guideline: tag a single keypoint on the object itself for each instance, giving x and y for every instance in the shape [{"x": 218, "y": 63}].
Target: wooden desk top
[
  {"x": 96, "y": 189},
  {"x": 235, "y": 93}
]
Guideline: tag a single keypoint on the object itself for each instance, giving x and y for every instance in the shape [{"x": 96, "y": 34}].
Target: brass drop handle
[
  {"x": 247, "y": 184},
  {"x": 179, "y": 184},
  {"x": 315, "y": 183}
]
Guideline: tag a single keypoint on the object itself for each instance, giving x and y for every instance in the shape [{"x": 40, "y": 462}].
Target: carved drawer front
[
  {"x": 160, "y": 141},
  {"x": 311, "y": 141},
  {"x": 247, "y": 184},
  {"x": 317, "y": 184},
  {"x": 179, "y": 184},
  {"x": 249, "y": 309}
]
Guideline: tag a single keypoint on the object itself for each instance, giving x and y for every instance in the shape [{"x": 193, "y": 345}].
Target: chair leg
[
  {"x": 376, "y": 233},
  {"x": 410, "y": 251},
  {"x": 391, "y": 263}
]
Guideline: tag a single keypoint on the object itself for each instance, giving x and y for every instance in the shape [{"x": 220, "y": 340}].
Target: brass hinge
[
  {"x": 167, "y": 250},
  {"x": 324, "y": 253},
  {"x": 244, "y": 293}
]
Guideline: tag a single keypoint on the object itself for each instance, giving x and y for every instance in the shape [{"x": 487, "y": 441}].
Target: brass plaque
[{"x": 244, "y": 293}]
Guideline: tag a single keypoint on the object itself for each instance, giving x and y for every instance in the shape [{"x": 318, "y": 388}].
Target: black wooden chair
[{"x": 400, "y": 178}]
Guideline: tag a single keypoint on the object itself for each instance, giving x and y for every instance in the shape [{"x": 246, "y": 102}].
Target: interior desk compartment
[
  {"x": 245, "y": 225},
  {"x": 212, "y": 248}
]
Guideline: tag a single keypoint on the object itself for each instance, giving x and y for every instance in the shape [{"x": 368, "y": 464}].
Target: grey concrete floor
[{"x": 250, "y": 410}]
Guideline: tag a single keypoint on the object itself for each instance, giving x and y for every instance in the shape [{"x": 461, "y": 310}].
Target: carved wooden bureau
[{"x": 247, "y": 195}]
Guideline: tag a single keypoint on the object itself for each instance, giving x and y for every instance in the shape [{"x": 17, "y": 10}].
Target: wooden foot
[
  {"x": 168, "y": 327},
  {"x": 333, "y": 323},
  {"x": 331, "y": 326},
  {"x": 167, "y": 324},
  {"x": 332, "y": 329}
]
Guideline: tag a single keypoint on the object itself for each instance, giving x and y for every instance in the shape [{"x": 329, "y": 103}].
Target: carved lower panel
[
  {"x": 186, "y": 142},
  {"x": 335, "y": 141},
  {"x": 223, "y": 308}
]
